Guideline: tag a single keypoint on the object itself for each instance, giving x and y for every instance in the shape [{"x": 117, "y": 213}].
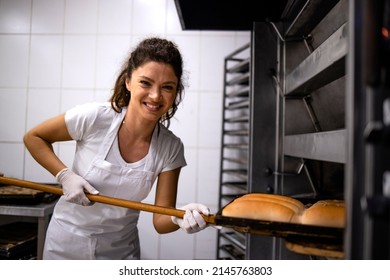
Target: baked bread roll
[
  {"x": 268, "y": 207},
  {"x": 327, "y": 213},
  {"x": 290, "y": 202},
  {"x": 15, "y": 190},
  {"x": 279, "y": 208}
]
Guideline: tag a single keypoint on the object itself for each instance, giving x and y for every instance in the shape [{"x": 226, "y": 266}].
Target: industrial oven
[{"x": 316, "y": 116}]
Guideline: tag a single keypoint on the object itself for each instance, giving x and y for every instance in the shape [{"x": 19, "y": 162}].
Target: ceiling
[{"x": 227, "y": 15}]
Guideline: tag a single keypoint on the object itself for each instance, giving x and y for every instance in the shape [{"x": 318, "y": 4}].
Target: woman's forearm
[
  {"x": 39, "y": 142},
  {"x": 163, "y": 224}
]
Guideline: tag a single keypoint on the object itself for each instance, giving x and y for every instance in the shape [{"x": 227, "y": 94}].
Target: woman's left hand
[{"x": 192, "y": 220}]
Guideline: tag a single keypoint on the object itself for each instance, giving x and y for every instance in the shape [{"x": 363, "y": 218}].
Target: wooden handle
[{"x": 105, "y": 199}]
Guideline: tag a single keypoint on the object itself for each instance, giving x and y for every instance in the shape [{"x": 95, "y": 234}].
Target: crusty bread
[
  {"x": 327, "y": 213},
  {"x": 313, "y": 249},
  {"x": 267, "y": 207},
  {"x": 287, "y": 201},
  {"x": 279, "y": 208},
  {"x": 259, "y": 210},
  {"x": 16, "y": 190}
]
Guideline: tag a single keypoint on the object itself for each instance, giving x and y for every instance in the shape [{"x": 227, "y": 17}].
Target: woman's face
[{"x": 153, "y": 88}]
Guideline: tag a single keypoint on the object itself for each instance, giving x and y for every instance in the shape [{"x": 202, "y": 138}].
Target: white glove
[
  {"x": 74, "y": 186},
  {"x": 192, "y": 220}
]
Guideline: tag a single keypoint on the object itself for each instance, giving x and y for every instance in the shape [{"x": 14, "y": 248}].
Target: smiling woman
[
  {"x": 161, "y": 52},
  {"x": 123, "y": 147}
]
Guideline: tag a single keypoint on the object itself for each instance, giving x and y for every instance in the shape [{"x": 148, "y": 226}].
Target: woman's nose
[{"x": 155, "y": 93}]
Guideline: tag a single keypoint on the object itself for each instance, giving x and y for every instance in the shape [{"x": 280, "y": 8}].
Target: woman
[{"x": 122, "y": 148}]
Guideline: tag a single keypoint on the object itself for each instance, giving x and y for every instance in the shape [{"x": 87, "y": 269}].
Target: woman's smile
[{"x": 152, "y": 107}]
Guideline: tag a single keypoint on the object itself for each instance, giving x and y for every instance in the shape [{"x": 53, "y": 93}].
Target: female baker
[{"x": 122, "y": 148}]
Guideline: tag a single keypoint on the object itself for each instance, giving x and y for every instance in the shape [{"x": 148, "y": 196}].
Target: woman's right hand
[{"x": 74, "y": 187}]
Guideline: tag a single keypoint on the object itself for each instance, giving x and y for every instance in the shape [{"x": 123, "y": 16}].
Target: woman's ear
[{"x": 128, "y": 83}]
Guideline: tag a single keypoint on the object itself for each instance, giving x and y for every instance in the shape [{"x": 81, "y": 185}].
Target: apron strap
[{"x": 111, "y": 134}]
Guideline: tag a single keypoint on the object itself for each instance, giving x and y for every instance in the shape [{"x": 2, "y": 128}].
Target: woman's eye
[
  {"x": 144, "y": 83},
  {"x": 170, "y": 88}
]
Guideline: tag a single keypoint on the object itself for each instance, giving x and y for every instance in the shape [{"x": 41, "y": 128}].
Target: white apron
[{"x": 102, "y": 231}]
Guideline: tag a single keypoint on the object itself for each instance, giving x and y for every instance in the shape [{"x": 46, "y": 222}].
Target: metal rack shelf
[
  {"x": 324, "y": 65},
  {"x": 233, "y": 251},
  {"x": 241, "y": 92},
  {"x": 241, "y": 186},
  {"x": 309, "y": 15},
  {"x": 325, "y": 146},
  {"x": 238, "y": 104},
  {"x": 241, "y": 67},
  {"x": 242, "y": 79},
  {"x": 238, "y": 239},
  {"x": 234, "y": 143},
  {"x": 238, "y": 119},
  {"x": 237, "y": 132},
  {"x": 236, "y": 160}
]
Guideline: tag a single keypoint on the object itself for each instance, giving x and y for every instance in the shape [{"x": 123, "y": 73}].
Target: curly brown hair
[{"x": 150, "y": 49}]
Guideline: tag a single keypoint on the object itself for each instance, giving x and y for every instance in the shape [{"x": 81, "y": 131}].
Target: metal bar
[
  {"x": 309, "y": 16},
  {"x": 324, "y": 65},
  {"x": 325, "y": 146}
]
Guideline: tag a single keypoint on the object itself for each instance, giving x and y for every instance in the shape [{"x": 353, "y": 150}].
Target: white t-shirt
[{"x": 88, "y": 125}]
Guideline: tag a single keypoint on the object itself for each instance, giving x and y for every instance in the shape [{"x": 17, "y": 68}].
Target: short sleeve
[
  {"x": 177, "y": 158},
  {"x": 79, "y": 119}
]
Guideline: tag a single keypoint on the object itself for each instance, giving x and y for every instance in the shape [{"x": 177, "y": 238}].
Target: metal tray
[
  {"x": 280, "y": 229},
  {"x": 10, "y": 194},
  {"x": 304, "y": 239}
]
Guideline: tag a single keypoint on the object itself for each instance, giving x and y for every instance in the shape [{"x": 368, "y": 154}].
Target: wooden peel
[{"x": 105, "y": 199}]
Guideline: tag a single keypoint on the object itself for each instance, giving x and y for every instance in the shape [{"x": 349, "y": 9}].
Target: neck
[{"x": 138, "y": 128}]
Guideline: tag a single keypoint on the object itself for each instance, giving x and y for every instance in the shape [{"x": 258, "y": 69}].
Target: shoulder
[
  {"x": 90, "y": 108},
  {"x": 167, "y": 140},
  {"x": 88, "y": 118},
  {"x": 89, "y": 112},
  {"x": 164, "y": 133}
]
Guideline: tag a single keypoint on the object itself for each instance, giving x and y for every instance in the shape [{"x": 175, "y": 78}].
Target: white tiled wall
[{"x": 55, "y": 54}]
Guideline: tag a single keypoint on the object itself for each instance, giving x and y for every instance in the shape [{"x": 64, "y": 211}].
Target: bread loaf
[
  {"x": 16, "y": 190},
  {"x": 327, "y": 213},
  {"x": 279, "y": 208},
  {"x": 287, "y": 201},
  {"x": 268, "y": 207}
]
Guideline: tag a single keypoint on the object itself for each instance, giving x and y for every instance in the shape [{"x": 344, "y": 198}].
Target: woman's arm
[
  {"x": 39, "y": 142},
  {"x": 166, "y": 196}
]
